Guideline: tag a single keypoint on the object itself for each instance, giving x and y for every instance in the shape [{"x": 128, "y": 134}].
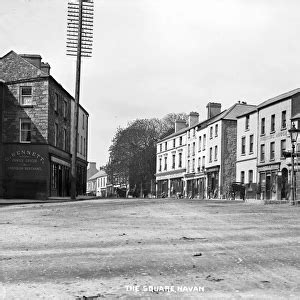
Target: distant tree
[{"x": 133, "y": 151}]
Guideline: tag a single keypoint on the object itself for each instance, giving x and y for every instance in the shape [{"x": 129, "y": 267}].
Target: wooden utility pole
[{"x": 79, "y": 43}]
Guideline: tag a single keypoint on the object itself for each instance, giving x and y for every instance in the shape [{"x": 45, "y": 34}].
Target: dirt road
[{"x": 157, "y": 248}]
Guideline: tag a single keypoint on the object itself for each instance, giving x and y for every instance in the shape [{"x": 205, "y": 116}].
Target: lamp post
[{"x": 294, "y": 135}]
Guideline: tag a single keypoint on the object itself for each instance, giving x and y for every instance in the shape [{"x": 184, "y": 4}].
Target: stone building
[{"x": 36, "y": 129}]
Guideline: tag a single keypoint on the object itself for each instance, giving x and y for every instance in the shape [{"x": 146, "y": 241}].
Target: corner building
[{"x": 36, "y": 129}]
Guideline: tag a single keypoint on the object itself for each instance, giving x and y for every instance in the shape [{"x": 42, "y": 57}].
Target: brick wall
[{"x": 228, "y": 160}]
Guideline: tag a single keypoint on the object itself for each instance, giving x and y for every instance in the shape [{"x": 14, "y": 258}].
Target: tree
[{"x": 133, "y": 152}]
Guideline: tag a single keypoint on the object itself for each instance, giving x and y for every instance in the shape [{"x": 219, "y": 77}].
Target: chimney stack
[
  {"x": 34, "y": 59},
  {"x": 45, "y": 67},
  {"x": 193, "y": 118},
  {"x": 179, "y": 124},
  {"x": 213, "y": 109}
]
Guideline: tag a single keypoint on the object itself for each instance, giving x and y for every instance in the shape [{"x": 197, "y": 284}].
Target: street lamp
[{"x": 294, "y": 135}]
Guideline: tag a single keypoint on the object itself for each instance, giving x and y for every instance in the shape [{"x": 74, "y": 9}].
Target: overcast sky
[{"x": 153, "y": 57}]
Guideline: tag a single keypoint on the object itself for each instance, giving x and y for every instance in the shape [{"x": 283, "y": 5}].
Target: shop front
[
  {"x": 213, "y": 182},
  {"x": 273, "y": 182},
  {"x": 177, "y": 185}
]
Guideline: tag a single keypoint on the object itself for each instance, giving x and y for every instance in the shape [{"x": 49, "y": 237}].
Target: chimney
[
  {"x": 193, "y": 118},
  {"x": 45, "y": 67},
  {"x": 92, "y": 166},
  {"x": 213, "y": 109},
  {"x": 34, "y": 59},
  {"x": 179, "y": 124}
]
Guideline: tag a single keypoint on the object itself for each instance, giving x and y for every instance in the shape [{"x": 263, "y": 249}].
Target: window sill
[
  {"x": 262, "y": 134},
  {"x": 272, "y": 132},
  {"x": 243, "y": 154},
  {"x": 283, "y": 128},
  {"x": 247, "y": 129},
  {"x": 26, "y": 105}
]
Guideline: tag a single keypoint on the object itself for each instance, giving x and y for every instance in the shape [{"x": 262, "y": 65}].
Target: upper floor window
[
  {"x": 272, "y": 123},
  {"x": 180, "y": 140},
  {"x": 243, "y": 146},
  {"x": 173, "y": 161},
  {"x": 193, "y": 165},
  {"x": 263, "y": 126},
  {"x": 25, "y": 130},
  {"x": 160, "y": 147},
  {"x": 193, "y": 132},
  {"x": 56, "y": 102},
  {"x": 272, "y": 150},
  {"x": 211, "y": 132},
  {"x": 166, "y": 146},
  {"x": 251, "y": 143},
  {"x": 65, "y": 108},
  {"x": 203, "y": 162},
  {"x": 180, "y": 160},
  {"x": 283, "y": 119},
  {"x": 282, "y": 147},
  {"x": 199, "y": 144},
  {"x": 174, "y": 143},
  {"x": 194, "y": 146},
  {"x": 189, "y": 150},
  {"x": 160, "y": 164},
  {"x": 55, "y": 134},
  {"x": 216, "y": 129},
  {"x": 247, "y": 119},
  {"x": 210, "y": 154},
  {"x": 188, "y": 134},
  {"x": 204, "y": 141},
  {"x": 216, "y": 152},
  {"x": 262, "y": 152},
  {"x": 166, "y": 165},
  {"x": 65, "y": 139},
  {"x": 83, "y": 121},
  {"x": 26, "y": 95}
]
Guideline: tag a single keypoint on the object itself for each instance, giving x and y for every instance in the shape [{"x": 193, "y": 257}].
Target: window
[
  {"x": 26, "y": 95},
  {"x": 83, "y": 146},
  {"x": 173, "y": 161},
  {"x": 180, "y": 160},
  {"x": 166, "y": 146},
  {"x": 272, "y": 123},
  {"x": 55, "y": 134},
  {"x": 56, "y": 102},
  {"x": 247, "y": 122},
  {"x": 216, "y": 129},
  {"x": 180, "y": 141},
  {"x": 262, "y": 152},
  {"x": 160, "y": 164},
  {"x": 194, "y": 146},
  {"x": 216, "y": 152},
  {"x": 243, "y": 148},
  {"x": 210, "y": 154},
  {"x": 272, "y": 150},
  {"x": 65, "y": 108},
  {"x": 211, "y": 132},
  {"x": 25, "y": 130},
  {"x": 188, "y": 134},
  {"x": 251, "y": 143},
  {"x": 242, "y": 176},
  {"x": 250, "y": 176},
  {"x": 282, "y": 147},
  {"x": 204, "y": 141},
  {"x": 263, "y": 126},
  {"x": 193, "y": 132},
  {"x": 189, "y": 150},
  {"x": 160, "y": 147},
  {"x": 199, "y": 163},
  {"x": 203, "y": 162},
  {"x": 283, "y": 119},
  {"x": 174, "y": 143},
  {"x": 83, "y": 121},
  {"x": 166, "y": 165},
  {"x": 193, "y": 165},
  {"x": 65, "y": 139},
  {"x": 199, "y": 145}
]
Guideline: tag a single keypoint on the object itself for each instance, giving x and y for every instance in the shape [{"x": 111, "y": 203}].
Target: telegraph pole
[{"x": 79, "y": 44}]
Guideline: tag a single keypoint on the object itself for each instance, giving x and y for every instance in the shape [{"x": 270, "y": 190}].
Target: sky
[{"x": 154, "y": 57}]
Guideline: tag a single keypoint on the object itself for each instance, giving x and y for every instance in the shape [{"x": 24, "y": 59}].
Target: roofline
[{"x": 282, "y": 97}]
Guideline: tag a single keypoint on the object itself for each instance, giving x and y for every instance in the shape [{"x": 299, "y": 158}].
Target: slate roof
[{"x": 101, "y": 173}]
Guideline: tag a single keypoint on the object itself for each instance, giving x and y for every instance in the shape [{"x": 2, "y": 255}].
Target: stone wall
[{"x": 228, "y": 163}]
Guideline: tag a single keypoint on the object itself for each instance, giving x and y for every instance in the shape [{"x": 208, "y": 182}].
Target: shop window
[
  {"x": 242, "y": 176},
  {"x": 25, "y": 130},
  {"x": 25, "y": 95},
  {"x": 250, "y": 176}
]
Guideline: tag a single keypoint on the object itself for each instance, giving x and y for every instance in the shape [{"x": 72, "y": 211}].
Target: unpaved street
[{"x": 181, "y": 249}]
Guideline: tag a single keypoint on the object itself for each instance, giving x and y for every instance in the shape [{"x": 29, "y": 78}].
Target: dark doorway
[
  {"x": 284, "y": 183},
  {"x": 268, "y": 187}
]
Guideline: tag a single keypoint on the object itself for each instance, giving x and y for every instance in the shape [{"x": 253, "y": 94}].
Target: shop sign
[
  {"x": 268, "y": 168},
  {"x": 24, "y": 160}
]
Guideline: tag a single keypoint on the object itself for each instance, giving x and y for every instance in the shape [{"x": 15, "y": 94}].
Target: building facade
[{"x": 36, "y": 129}]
